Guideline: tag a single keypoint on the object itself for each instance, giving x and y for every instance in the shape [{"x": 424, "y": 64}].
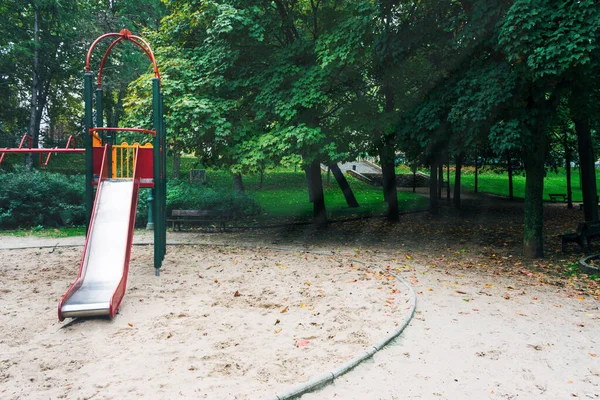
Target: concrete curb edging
[{"x": 324, "y": 379}]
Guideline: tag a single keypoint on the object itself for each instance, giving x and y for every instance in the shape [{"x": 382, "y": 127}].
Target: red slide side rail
[
  {"x": 117, "y": 296},
  {"x": 78, "y": 281}
]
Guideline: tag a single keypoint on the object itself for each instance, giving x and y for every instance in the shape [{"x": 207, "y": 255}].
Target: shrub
[
  {"x": 36, "y": 198},
  {"x": 33, "y": 198}
]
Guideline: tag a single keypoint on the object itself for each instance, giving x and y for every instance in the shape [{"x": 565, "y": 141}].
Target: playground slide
[{"x": 102, "y": 279}]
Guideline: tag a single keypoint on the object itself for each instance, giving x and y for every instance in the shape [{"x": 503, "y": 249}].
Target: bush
[{"x": 34, "y": 198}]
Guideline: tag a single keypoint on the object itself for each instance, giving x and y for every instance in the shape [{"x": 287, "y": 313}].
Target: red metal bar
[
  {"x": 104, "y": 59},
  {"x": 41, "y": 151},
  {"x": 45, "y": 164},
  {"x": 150, "y": 131},
  {"x": 89, "y": 54},
  {"x": 30, "y": 141},
  {"x": 123, "y": 35},
  {"x": 71, "y": 139}
]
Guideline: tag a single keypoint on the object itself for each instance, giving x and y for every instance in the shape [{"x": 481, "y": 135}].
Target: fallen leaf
[
  {"x": 130, "y": 324},
  {"x": 276, "y": 331},
  {"x": 302, "y": 343},
  {"x": 303, "y": 306},
  {"x": 593, "y": 354},
  {"x": 236, "y": 294},
  {"x": 461, "y": 292},
  {"x": 307, "y": 283},
  {"x": 170, "y": 335},
  {"x": 284, "y": 310},
  {"x": 276, "y": 322}
]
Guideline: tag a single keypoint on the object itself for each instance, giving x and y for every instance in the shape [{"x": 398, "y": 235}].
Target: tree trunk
[
  {"x": 510, "y": 179},
  {"x": 568, "y": 170},
  {"x": 448, "y": 186},
  {"x": 238, "y": 183},
  {"x": 390, "y": 194},
  {"x": 262, "y": 178},
  {"x": 315, "y": 192},
  {"x": 476, "y": 174},
  {"x": 533, "y": 236},
  {"x": 414, "y": 171},
  {"x": 177, "y": 164},
  {"x": 433, "y": 183},
  {"x": 440, "y": 180},
  {"x": 457, "y": 173},
  {"x": 346, "y": 189},
  {"x": 586, "y": 166},
  {"x": 35, "y": 88}
]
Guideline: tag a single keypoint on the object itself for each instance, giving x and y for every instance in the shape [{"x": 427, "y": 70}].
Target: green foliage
[{"x": 29, "y": 199}]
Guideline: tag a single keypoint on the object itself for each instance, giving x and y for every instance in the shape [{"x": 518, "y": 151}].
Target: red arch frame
[{"x": 125, "y": 34}]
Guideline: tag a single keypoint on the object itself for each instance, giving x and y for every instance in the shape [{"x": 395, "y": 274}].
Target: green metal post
[
  {"x": 157, "y": 176},
  {"x": 163, "y": 136},
  {"x": 150, "y": 224},
  {"x": 100, "y": 124},
  {"x": 89, "y": 160}
]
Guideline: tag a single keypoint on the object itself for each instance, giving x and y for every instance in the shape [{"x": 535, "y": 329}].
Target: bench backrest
[{"x": 200, "y": 213}]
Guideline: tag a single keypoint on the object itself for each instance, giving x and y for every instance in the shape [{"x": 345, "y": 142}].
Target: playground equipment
[{"x": 118, "y": 171}]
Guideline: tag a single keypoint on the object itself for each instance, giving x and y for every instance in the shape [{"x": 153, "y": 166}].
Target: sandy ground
[
  {"x": 489, "y": 324},
  {"x": 220, "y": 323}
]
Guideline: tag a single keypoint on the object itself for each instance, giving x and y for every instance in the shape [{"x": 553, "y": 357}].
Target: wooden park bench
[
  {"x": 586, "y": 231},
  {"x": 218, "y": 217},
  {"x": 554, "y": 197}
]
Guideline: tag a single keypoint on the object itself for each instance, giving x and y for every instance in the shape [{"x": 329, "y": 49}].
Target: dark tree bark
[
  {"x": 433, "y": 183},
  {"x": 448, "y": 186},
  {"x": 535, "y": 156},
  {"x": 586, "y": 163},
  {"x": 510, "y": 178},
  {"x": 346, "y": 189},
  {"x": 315, "y": 192},
  {"x": 457, "y": 176},
  {"x": 238, "y": 183},
  {"x": 568, "y": 170},
  {"x": 262, "y": 178},
  {"x": 35, "y": 87},
  {"x": 414, "y": 172},
  {"x": 476, "y": 174},
  {"x": 177, "y": 165},
  {"x": 390, "y": 195},
  {"x": 441, "y": 180}
]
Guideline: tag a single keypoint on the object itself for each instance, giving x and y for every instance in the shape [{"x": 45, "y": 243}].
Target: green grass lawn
[
  {"x": 491, "y": 182},
  {"x": 284, "y": 195}
]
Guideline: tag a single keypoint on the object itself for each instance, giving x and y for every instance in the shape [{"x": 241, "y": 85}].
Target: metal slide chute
[{"x": 102, "y": 279}]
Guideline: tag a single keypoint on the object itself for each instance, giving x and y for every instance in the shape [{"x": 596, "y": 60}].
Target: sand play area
[{"x": 233, "y": 322}]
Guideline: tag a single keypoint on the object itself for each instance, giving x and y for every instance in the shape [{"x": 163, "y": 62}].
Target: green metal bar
[
  {"x": 100, "y": 124},
  {"x": 163, "y": 136},
  {"x": 89, "y": 161},
  {"x": 150, "y": 224},
  {"x": 157, "y": 176}
]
